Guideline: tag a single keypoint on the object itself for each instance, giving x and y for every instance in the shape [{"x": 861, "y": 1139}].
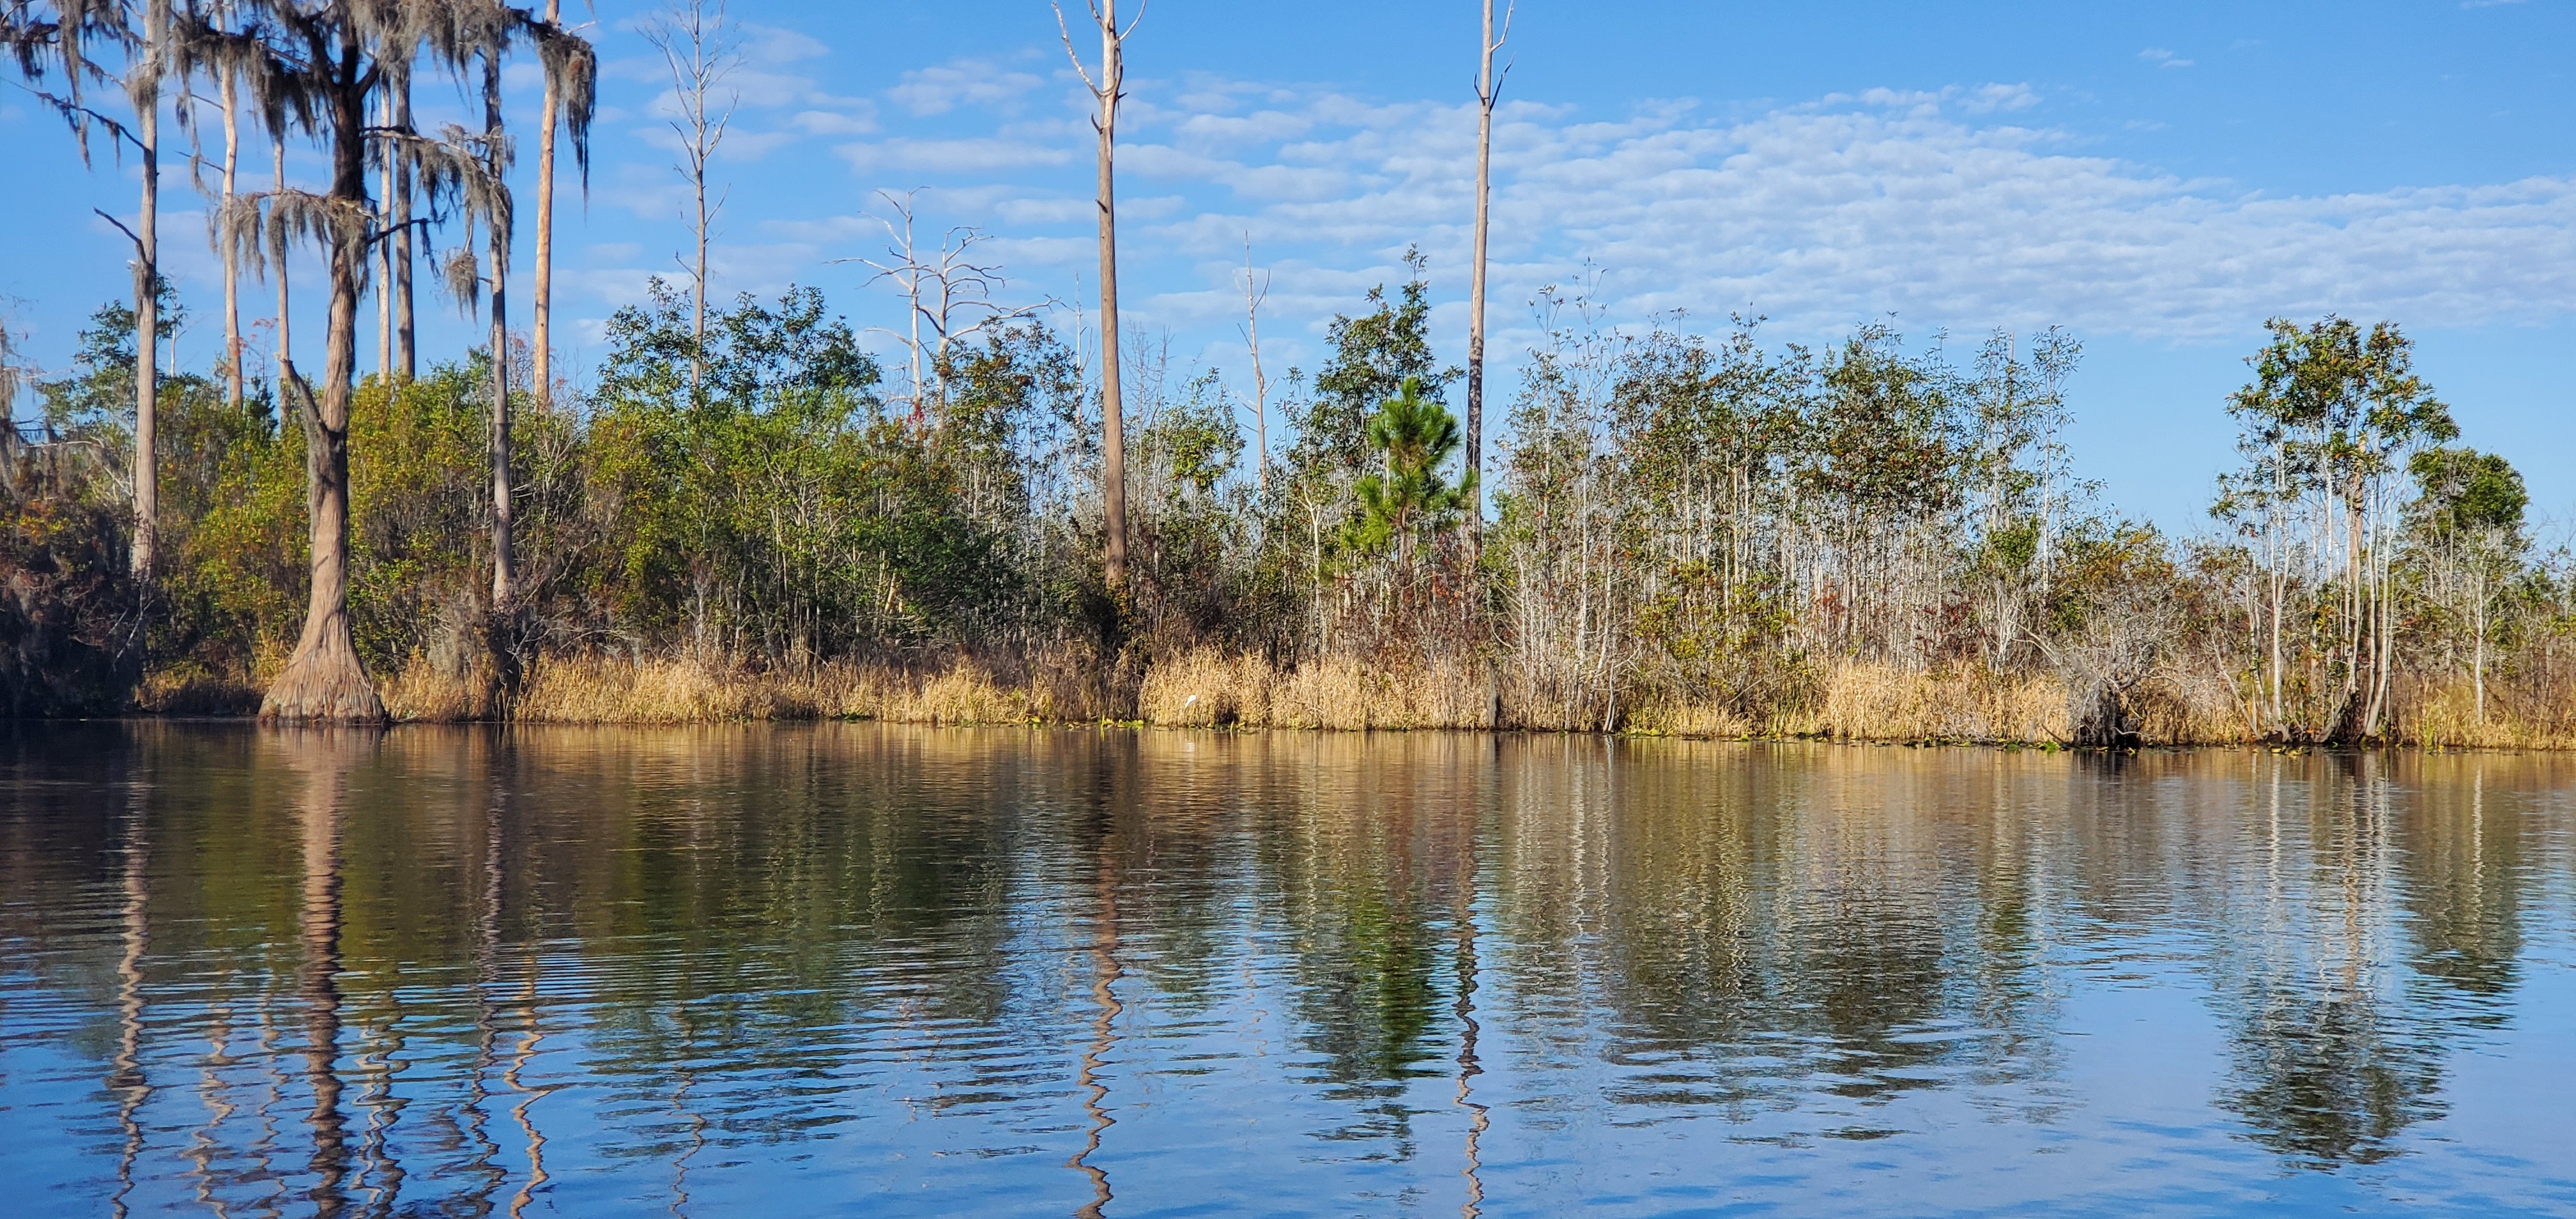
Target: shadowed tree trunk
[
  {"x": 406, "y": 357},
  {"x": 496, "y": 151}
]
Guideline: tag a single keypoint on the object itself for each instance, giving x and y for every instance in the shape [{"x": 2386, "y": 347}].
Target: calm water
[{"x": 876, "y": 970}]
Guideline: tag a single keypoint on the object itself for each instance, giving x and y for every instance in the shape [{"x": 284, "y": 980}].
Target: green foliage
[
  {"x": 96, "y": 401},
  {"x": 1408, "y": 500},
  {"x": 2461, "y": 492},
  {"x": 2339, "y": 403},
  {"x": 1374, "y": 353}
]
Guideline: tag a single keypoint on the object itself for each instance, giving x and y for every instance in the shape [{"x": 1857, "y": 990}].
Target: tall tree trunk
[
  {"x": 1113, "y": 426},
  {"x": 504, "y": 564},
  {"x": 406, "y": 359},
  {"x": 503, "y": 568},
  {"x": 285, "y": 330},
  {"x": 541, "y": 293},
  {"x": 325, "y": 681},
  {"x": 231, "y": 91},
  {"x": 147, "y": 286},
  {"x": 2478, "y": 665},
  {"x": 385, "y": 259},
  {"x": 698, "y": 280},
  {"x": 1485, "y": 95}
]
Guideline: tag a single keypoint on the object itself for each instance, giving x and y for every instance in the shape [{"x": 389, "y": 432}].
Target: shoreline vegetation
[
  {"x": 1025, "y": 510},
  {"x": 1689, "y": 537},
  {"x": 1208, "y": 689}
]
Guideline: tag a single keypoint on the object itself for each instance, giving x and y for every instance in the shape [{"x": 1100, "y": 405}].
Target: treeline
[
  {"x": 1684, "y": 533},
  {"x": 1681, "y": 532}
]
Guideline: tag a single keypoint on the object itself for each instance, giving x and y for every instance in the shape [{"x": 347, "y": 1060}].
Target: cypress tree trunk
[{"x": 325, "y": 681}]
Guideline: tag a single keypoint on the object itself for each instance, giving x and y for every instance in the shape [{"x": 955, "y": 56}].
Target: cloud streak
[{"x": 1928, "y": 205}]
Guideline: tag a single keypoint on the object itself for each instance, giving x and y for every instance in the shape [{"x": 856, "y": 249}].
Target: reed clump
[
  {"x": 2447, "y": 716},
  {"x": 1207, "y": 688},
  {"x": 1874, "y": 702},
  {"x": 425, "y": 690},
  {"x": 194, "y": 690}
]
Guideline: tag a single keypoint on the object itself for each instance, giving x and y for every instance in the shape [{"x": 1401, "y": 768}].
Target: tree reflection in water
[
  {"x": 2339, "y": 1037},
  {"x": 619, "y": 972},
  {"x": 324, "y": 758}
]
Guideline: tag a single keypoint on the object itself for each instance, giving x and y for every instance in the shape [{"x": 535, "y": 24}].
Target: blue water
[{"x": 891, "y": 971}]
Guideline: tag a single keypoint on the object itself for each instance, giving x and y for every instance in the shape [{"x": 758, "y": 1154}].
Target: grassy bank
[{"x": 1213, "y": 689}]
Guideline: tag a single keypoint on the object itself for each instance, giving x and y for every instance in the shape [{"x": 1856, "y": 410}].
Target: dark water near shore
[{"x": 886, "y": 971}]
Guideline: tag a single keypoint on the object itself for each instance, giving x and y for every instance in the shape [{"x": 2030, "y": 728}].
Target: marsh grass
[
  {"x": 1210, "y": 688},
  {"x": 2446, "y": 716}
]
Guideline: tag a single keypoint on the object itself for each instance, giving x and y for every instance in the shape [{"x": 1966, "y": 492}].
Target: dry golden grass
[
  {"x": 1866, "y": 702},
  {"x": 1350, "y": 695},
  {"x": 603, "y": 690},
  {"x": 421, "y": 691},
  {"x": 607, "y": 690},
  {"x": 1210, "y": 688},
  {"x": 194, "y": 691},
  {"x": 1207, "y": 688},
  {"x": 2446, "y": 717}
]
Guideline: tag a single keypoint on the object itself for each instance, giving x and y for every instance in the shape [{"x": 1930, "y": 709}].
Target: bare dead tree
[
  {"x": 1489, "y": 86},
  {"x": 1256, "y": 289},
  {"x": 700, "y": 43},
  {"x": 11, "y": 378},
  {"x": 945, "y": 291},
  {"x": 1108, "y": 89},
  {"x": 143, "y": 87}
]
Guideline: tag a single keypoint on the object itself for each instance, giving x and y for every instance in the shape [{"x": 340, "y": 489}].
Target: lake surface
[{"x": 891, "y": 971}]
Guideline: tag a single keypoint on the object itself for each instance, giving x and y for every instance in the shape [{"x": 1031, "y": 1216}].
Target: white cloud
[
  {"x": 1962, "y": 207},
  {"x": 1917, "y": 203},
  {"x": 969, "y": 82},
  {"x": 856, "y": 121},
  {"x": 2163, "y": 58},
  {"x": 973, "y": 155}
]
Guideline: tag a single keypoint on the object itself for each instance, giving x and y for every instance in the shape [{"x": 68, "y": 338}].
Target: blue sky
[{"x": 2158, "y": 178}]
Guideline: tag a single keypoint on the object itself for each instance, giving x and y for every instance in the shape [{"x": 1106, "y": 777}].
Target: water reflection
[{"x": 1104, "y": 973}]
